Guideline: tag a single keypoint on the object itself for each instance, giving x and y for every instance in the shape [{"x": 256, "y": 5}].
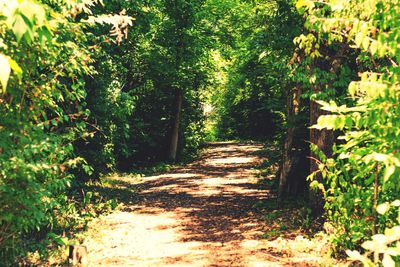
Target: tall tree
[{"x": 186, "y": 49}]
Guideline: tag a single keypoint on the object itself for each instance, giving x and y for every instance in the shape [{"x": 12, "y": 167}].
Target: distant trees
[{"x": 145, "y": 97}]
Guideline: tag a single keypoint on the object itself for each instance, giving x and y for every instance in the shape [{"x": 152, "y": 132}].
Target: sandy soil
[{"x": 198, "y": 215}]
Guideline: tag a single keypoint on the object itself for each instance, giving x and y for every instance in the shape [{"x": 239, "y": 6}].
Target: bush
[
  {"x": 364, "y": 171},
  {"x": 43, "y": 61}
]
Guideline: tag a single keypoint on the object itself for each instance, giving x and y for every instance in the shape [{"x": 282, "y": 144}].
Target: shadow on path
[{"x": 201, "y": 214}]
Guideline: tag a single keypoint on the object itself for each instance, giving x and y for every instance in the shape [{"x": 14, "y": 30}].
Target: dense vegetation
[{"x": 89, "y": 88}]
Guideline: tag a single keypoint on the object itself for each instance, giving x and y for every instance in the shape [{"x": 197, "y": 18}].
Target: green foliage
[
  {"x": 258, "y": 79},
  {"x": 32, "y": 157},
  {"x": 131, "y": 95},
  {"x": 385, "y": 247},
  {"x": 44, "y": 59},
  {"x": 364, "y": 170},
  {"x": 76, "y": 104}
]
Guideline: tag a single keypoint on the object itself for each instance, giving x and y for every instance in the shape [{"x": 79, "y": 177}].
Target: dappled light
[
  {"x": 115, "y": 118},
  {"x": 202, "y": 214}
]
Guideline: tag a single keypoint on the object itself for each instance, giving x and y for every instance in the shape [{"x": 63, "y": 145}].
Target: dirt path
[{"x": 198, "y": 215}]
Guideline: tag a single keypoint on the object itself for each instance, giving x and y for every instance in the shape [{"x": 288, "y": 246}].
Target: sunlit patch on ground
[
  {"x": 231, "y": 160},
  {"x": 200, "y": 215}
]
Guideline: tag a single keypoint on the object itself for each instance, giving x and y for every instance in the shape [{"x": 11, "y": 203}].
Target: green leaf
[
  {"x": 374, "y": 47},
  {"x": 359, "y": 38},
  {"x": 379, "y": 157},
  {"x": 388, "y": 261},
  {"x": 314, "y": 185},
  {"x": 352, "y": 89},
  {"x": 15, "y": 67},
  {"x": 380, "y": 240},
  {"x": 383, "y": 208},
  {"x": 396, "y": 203},
  {"x": 365, "y": 43},
  {"x": 45, "y": 35},
  {"x": 389, "y": 172},
  {"x": 369, "y": 245},
  {"x": 354, "y": 255},
  {"x": 5, "y": 70},
  {"x": 19, "y": 28},
  {"x": 304, "y": 3},
  {"x": 393, "y": 251},
  {"x": 393, "y": 233}
]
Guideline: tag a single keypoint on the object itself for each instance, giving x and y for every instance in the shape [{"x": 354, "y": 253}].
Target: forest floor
[{"x": 201, "y": 214}]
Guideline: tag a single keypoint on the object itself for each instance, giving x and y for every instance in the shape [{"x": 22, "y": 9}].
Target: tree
[
  {"x": 44, "y": 59},
  {"x": 362, "y": 171}
]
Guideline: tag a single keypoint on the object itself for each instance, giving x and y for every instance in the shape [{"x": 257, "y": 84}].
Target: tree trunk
[
  {"x": 291, "y": 176},
  {"x": 173, "y": 148},
  {"x": 324, "y": 139}
]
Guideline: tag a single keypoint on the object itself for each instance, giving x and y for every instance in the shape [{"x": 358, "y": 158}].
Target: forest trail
[{"x": 201, "y": 214}]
